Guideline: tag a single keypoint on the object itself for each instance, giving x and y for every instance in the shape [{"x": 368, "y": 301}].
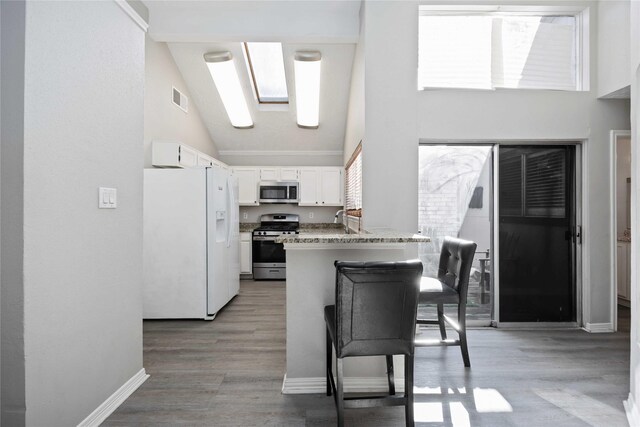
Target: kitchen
[{"x": 116, "y": 66}]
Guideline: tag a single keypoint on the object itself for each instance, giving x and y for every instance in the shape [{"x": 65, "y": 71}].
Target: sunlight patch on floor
[
  {"x": 490, "y": 400},
  {"x": 428, "y": 412},
  {"x": 589, "y": 410}
]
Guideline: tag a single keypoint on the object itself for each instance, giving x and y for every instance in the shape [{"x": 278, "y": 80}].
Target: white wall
[
  {"x": 163, "y": 120},
  {"x": 397, "y": 116},
  {"x": 632, "y": 405},
  {"x": 274, "y": 158},
  {"x": 83, "y": 128},
  {"x": 354, "y": 132},
  {"x": 613, "y": 46},
  {"x": 12, "y": 370},
  {"x": 390, "y": 145}
]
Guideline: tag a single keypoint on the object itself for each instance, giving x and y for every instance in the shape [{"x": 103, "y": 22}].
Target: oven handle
[{"x": 265, "y": 238}]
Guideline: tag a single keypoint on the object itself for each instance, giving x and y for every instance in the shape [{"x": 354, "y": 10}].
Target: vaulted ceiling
[{"x": 331, "y": 27}]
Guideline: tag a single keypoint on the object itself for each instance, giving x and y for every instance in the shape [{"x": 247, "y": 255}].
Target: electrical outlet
[
  {"x": 310, "y": 215},
  {"x": 245, "y": 215}
]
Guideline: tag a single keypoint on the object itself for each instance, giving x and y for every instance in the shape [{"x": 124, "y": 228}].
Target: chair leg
[
  {"x": 339, "y": 392},
  {"x": 392, "y": 386},
  {"x": 443, "y": 330},
  {"x": 462, "y": 321},
  {"x": 408, "y": 390},
  {"x": 328, "y": 370}
]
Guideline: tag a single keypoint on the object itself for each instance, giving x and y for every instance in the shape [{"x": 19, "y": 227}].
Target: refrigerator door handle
[{"x": 230, "y": 218}]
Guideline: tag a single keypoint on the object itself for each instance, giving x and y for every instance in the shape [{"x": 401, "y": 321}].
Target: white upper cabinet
[
  {"x": 331, "y": 186},
  {"x": 248, "y": 179},
  {"x": 289, "y": 174},
  {"x": 308, "y": 187},
  {"x": 321, "y": 186},
  {"x": 278, "y": 174},
  {"x": 269, "y": 174},
  {"x": 177, "y": 155}
]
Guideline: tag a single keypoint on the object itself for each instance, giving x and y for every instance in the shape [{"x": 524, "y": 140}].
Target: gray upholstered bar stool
[
  {"x": 374, "y": 314},
  {"x": 450, "y": 287}
]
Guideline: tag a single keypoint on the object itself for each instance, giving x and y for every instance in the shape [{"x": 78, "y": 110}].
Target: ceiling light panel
[
  {"x": 307, "y": 77},
  {"x": 225, "y": 77},
  {"x": 265, "y": 64}
]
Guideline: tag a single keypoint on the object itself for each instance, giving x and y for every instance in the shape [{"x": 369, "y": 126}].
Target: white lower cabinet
[{"x": 245, "y": 253}]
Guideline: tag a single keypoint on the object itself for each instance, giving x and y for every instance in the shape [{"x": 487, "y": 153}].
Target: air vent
[{"x": 180, "y": 100}]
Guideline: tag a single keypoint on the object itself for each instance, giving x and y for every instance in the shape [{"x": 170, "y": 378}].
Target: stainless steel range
[{"x": 269, "y": 258}]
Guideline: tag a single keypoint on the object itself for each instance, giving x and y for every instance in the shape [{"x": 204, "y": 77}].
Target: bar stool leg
[
  {"x": 328, "y": 370},
  {"x": 462, "y": 321},
  {"x": 408, "y": 390},
  {"x": 392, "y": 386},
  {"x": 340, "y": 392},
  {"x": 443, "y": 330}
]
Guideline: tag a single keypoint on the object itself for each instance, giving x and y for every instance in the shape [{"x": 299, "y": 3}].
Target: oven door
[
  {"x": 266, "y": 251},
  {"x": 269, "y": 259}
]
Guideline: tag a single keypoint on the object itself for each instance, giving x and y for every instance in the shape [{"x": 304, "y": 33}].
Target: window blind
[{"x": 353, "y": 181}]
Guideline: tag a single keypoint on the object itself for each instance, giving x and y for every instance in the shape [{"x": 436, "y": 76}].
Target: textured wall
[{"x": 84, "y": 89}]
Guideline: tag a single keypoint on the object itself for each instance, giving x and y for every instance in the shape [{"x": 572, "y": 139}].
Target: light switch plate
[{"x": 107, "y": 198}]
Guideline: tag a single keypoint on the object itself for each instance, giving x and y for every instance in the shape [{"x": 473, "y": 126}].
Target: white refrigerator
[{"x": 191, "y": 242}]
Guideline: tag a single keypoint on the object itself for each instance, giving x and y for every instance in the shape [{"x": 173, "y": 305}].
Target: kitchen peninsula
[{"x": 311, "y": 286}]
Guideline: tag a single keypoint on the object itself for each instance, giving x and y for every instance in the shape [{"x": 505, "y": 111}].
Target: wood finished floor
[{"x": 229, "y": 373}]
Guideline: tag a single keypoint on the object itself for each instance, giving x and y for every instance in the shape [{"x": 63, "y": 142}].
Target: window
[
  {"x": 498, "y": 50},
  {"x": 353, "y": 183},
  {"x": 533, "y": 183},
  {"x": 265, "y": 63}
]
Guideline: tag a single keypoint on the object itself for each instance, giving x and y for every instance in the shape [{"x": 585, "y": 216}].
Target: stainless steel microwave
[{"x": 278, "y": 192}]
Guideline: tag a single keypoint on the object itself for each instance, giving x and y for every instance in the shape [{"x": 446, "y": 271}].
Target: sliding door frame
[{"x": 582, "y": 256}]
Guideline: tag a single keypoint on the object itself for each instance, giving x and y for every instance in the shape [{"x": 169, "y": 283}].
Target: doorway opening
[{"x": 621, "y": 228}]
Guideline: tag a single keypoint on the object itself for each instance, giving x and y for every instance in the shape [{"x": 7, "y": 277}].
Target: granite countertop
[
  {"x": 331, "y": 235},
  {"x": 319, "y": 227}
]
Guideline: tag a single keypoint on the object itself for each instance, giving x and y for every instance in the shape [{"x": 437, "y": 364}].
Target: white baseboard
[
  {"x": 111, "y": 404},
  {"x": 598, "y": 328},
  {"x": 315, "y": 385},
  {"x": 633, "y": 415}
]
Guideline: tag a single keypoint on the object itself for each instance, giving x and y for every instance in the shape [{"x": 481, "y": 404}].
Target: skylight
[{"x": 266, "y": 68}]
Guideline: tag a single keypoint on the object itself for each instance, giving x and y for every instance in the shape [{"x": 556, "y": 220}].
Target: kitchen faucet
[{"x": 335, "y": 220}]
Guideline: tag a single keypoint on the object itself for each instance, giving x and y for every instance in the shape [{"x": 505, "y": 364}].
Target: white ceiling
[{"x": 192, "y": 28}]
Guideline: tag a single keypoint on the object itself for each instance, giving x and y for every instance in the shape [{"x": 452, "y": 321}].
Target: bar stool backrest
[
  {"x": 456, "y": 258},
  {"x": 376, "y": 305}
]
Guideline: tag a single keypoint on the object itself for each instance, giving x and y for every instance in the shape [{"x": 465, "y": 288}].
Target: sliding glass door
[
  {"x": 537, "y": 233},
  {"x": 534, "y": 236},
  {"x": 455, "y": 199}
]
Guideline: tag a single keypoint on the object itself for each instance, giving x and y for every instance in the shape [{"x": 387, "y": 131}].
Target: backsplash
[{"x": 320, "y": 214}]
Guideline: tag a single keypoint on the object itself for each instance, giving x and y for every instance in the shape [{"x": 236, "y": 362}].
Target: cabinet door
[
  {"x": 309, "y": 187},
  {"x": 188, "y": 157},
  {"x": 204, "y": 160},
  {"x": 331, "y": 186},
  {"x": 288, "y": 174},
  {"x": 247, "y": 186},
  {"x": 245, "y": 253},
  {"x": 623, "y": 279},
  {"x": 269, "y": 174}
]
